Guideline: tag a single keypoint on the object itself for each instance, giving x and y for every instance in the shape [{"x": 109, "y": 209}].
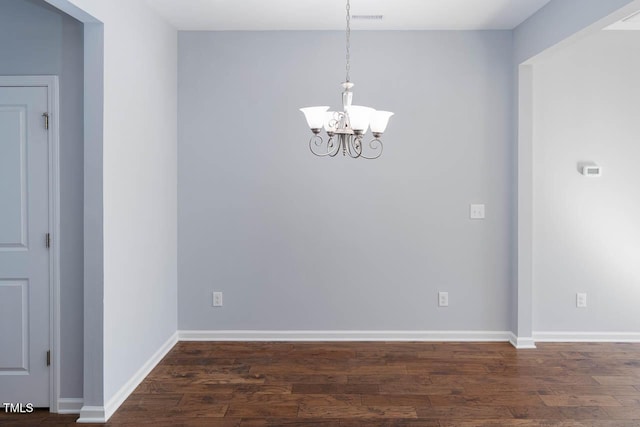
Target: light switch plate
[
  {"x": 443, "y": 299},
  {"x": 476, "y": 211},
  {"x": 217, "y": 299},
  {"x": 581, "y": 300}
]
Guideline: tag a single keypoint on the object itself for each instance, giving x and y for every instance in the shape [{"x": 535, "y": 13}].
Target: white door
[{"x": 24, "y": 257}]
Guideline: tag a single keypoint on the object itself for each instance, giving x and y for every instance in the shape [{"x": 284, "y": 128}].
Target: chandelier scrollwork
[{"x": 346, "y": 129}]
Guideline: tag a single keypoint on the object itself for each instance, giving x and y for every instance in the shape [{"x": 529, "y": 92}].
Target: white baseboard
[
  {"x": 522, "y": 343},
  {"x": 121, "y": 395},
  {"x": 99, "y": 414},
  {"x": 69, "y": 405},
  {"x": 92, "y": 414},
  {"x": 586, "y": 336},
  {"x": 241, "y": 335}
]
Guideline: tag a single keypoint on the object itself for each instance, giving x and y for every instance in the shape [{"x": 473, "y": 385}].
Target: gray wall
[
  {"x": 130, "y": 195},
  {"x": 140, "y": 189},
  {"x": 297, "y": 242},
  {"x": 35, "y": 38},
  {"x": 556, "y": 25},
  {"x": 587, "y": 232}
]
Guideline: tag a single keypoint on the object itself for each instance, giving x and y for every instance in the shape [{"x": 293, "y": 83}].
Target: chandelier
[{"x": 346, "y": 129}]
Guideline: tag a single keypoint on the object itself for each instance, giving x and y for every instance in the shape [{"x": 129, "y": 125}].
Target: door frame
[{"x": 53, "y": 139}]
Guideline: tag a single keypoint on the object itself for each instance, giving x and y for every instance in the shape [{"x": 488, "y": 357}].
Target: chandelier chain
[{"x": 348, "y": 66}]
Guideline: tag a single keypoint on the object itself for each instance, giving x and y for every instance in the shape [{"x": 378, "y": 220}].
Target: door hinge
[
  {"x": 46, "y": 120},
  {"x": 48, "y": 357},
  {"x": 47, "y": 240}
]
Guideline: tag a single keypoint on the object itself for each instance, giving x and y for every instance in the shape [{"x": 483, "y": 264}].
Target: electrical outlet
[
  {"x": 476, "y": 211},
  {"x": 581, "y": 300},
  {"x": 443, "y": 299},
  {"x": 217, "y": 299}
]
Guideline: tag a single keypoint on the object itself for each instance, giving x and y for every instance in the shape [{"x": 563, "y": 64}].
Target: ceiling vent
[{"x": 367, "y": 17}]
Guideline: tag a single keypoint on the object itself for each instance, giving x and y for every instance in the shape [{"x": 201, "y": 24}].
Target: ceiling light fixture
[{"x": 345, "y": 129}]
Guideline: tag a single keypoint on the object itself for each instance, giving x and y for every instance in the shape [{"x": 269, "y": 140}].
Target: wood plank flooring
[{"x": 381, "y": 384}]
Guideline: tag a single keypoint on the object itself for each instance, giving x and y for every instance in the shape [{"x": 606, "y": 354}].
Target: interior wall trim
[
  {"x": 547, "y": 336},
  {"x": 70, "y": 405},
  {"x": 522, "y": 343},
  {"x": 121, "y": 395},
  {"x": 99, "y": 414},
  {"x": 254, "y": 335},
  {"x": 92, "y": 414}
]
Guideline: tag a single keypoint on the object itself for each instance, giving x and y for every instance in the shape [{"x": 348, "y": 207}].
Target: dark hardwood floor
[{"x": 381, "y": 384}]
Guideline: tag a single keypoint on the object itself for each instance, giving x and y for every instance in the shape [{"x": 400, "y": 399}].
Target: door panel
[
  {"x": 13, "y": 179},
  {"x": 14, "y": 322},
  {"x": 24, "y": 258}
]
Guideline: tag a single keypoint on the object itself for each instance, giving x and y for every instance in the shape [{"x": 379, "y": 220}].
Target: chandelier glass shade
[{"x": 345, "y": 130}]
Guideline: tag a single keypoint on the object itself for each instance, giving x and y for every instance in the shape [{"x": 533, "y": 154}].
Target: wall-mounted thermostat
[{"x": 591, "y": 170}]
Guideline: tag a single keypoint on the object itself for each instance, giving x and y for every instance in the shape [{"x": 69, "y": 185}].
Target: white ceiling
[
  {"x": 220, "y": 15},
  {"x": 631, "y": 22}
]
